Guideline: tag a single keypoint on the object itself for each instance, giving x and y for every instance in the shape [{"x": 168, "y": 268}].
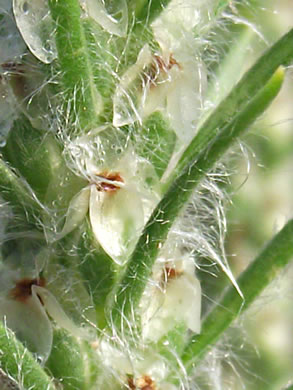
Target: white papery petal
[
  {"x": 183, "y": 301},
  {"x": 134, "y": 363},
  {"x": 127, "y": 103},
  {"x": 36, "y": 26},
  {"x": 55, "y": 311},
  {"x": 115, "y": 21},
  {"x": 180, "y": 302},
  {"x": 30, "y": 323},
  {"x": 177, "y": 20},
  {"x": 77, "y": 211},
  {"x": 183, "y": 104},
  {"x": 117, "y": 220}
]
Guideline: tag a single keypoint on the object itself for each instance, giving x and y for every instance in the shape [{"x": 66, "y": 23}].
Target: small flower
[
  {"x": 25, "y": 307},
  {"x": 119, "y": 202},
  {"x": 172, "y": 80},
  {"x": 134, "y": 368},
  {"x": 173, "y": 297}
]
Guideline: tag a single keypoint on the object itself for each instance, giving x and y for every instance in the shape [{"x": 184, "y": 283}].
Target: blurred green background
[{"x": 257, "y": 354}]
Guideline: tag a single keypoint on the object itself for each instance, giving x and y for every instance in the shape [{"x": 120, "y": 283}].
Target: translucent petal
[
  {"x": 183, "y": 301},
  {"x": 55, "y": 311},
  {"x": 36, "y": 26},
  {"x": 113, "y": 16},
  {"x": 184, "y": 102},
  {"x": 177, "y": 19},
  {"x": 30, "y": 323},
  {"x": 179, "y": 302},
  {"x": 130, "y": 93},
  {"x": 76, "y": 212},
  {"x": 11, "y": 42},
  {"x": 117, "y": 220}
]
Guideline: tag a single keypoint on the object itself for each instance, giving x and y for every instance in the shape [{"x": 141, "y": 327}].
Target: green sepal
[
  {"x": 18, "y": 362},
  {"x": 66, "y": 362}
]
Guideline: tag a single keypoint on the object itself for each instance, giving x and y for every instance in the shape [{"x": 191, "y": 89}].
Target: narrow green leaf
[
  {"x": 281, "y": 53},
  {"x": 274, "y": 257},
  {"x": 19, "y": 363},
  {"x": 132, "y": 284}
]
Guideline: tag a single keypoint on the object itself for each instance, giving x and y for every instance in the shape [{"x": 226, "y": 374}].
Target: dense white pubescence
[
  {"x": 117, "y": 196},
  {"x": 35, "y": 24},
  {"x": 174, "y": 31},
  {"x": 172, "y": 81},
  {"x": 125, "y": 366}
]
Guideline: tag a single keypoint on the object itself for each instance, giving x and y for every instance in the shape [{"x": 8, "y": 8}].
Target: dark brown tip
[{"x": 23, "y": 288}]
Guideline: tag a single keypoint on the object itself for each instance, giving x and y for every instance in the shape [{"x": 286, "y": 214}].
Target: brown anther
[
  {"x": 173, "y": 62},
  {"x": 146, "y": 383},
  {"x": 159, "y": 66},
  {"x": 130, "y": 383},
  {"x": 23, "y": 288},
  {"x": 143, "y": 383},
  {"x": 170, "y": 273},
  {"x": 109, "y": 187}
]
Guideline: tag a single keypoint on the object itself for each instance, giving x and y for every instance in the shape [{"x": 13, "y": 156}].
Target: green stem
[
  {"x": 75, "y": 64},
  {"x": 281, "y": 53},
  {"x": 274, "y": 257},
  {"x": 140, "y": 265},
  {"x": 19, "y": 363}
]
